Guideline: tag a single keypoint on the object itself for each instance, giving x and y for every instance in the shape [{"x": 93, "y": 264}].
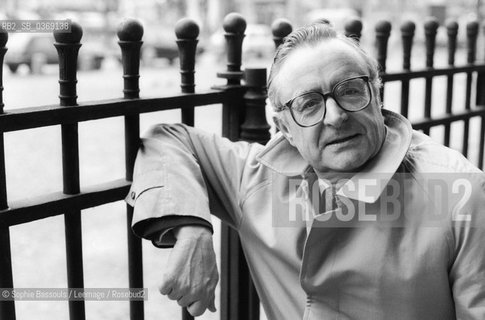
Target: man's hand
[{"x": 191, "y": 274}]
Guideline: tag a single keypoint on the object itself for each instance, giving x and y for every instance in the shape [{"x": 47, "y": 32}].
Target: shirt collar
[{"x": 280, "y": 156}]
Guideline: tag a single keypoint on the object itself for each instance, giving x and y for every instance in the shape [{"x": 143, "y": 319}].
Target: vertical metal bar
[
  {"x": 383, "y": 32},
  {"x": 254, "y": 129},
  {"x": 67, "y": 45},
  {"x": 407, "y": 35},
  {"x": 472, "y": 33},
  {"x": 405, "y": 97},
  {"x": 186, "y": 315},
  {"x": 466, "y": 122},
  {"x": 187, "y": 32},
  {"x": 353, "y": 29},
  {"x": 449, "y": 104},
  {"x": 430, "y": 28},
  {"x": 480, "y": 101},
  {"x": 482, "y": 143},
  {"x": 280, "y": 28},
  {"x": 235, "y": 296},
  {"x": 3, "y": 184},
  {"x": 225, "y": 272},
  {"x": 3, "y": 176},
  {"x": 130, "y": 33},
  {"x": 234, "y": 26},
  {"x": 452, "y": 30},
  {"x": 7, "y": 308}
]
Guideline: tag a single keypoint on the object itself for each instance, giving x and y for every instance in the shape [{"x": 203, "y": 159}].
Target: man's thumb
[{"x": 212, "y": 306}]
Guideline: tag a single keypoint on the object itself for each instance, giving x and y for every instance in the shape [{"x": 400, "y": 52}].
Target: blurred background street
[{"x": 33, "y": 157}]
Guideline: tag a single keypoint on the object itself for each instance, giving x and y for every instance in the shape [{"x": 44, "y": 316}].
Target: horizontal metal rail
[
  {"x": 35, "y": 117},
  {"x": 448, "y": 118},
  {"x": 435, "y": 72},
  {"x": 32, "y": 209}
]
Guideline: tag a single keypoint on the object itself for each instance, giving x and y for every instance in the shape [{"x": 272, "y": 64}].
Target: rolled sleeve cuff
[
  {"x": 159, "y": 208},
  {"x": 160, "y": 230}
]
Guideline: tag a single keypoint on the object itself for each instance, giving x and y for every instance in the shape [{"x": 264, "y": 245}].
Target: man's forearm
[{"x": 192, "y": 232}]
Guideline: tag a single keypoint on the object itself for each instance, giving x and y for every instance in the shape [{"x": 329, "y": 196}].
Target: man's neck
[{"x": 334, "y": 178}]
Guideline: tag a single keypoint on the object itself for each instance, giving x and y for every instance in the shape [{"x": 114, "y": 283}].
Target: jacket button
[{"x": 133, "y": 195}]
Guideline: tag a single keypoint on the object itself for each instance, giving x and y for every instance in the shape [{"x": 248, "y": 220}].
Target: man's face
[{"x": 343, "y": 141}]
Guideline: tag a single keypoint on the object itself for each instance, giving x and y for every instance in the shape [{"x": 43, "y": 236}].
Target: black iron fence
[{"x": 243, "y": 118}]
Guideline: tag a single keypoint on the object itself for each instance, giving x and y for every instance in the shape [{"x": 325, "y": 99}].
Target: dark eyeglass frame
[{"x": 325, "y": 96}]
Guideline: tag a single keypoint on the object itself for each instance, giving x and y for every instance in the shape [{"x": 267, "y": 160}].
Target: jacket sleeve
[
  {"x": 183, "y": 172},
  {"x": 467, "y": 272}
]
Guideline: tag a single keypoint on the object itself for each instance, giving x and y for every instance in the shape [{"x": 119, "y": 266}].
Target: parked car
[{"x": 37, "y": 49}]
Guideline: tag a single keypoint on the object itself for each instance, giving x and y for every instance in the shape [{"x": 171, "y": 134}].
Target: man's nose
[{"x": 334, "y": 115}]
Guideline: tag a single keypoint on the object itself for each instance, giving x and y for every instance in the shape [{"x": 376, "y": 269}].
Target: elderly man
[{"x": 336, "y": 214}]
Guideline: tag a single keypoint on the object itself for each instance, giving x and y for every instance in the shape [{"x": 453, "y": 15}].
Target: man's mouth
[{"x": 342, "y": 140}]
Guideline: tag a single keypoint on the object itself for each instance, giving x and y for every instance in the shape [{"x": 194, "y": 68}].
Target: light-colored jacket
[{"x": 407, "y": 240}]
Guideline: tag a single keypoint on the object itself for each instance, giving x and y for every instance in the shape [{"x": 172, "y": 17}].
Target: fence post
[
  {"x": 383, "y": 32},
  {"x": 187, "y": 32},
  {"x": 353, "y": 29},
  {"x": 67, "y": 45},
  {"x": 430, "y": 29},
  {"x": 280, "y": 29},
  {"x": 255, "y": 128},
  {"x": 480, "y": 101},
  {"x": 7, "y": 308},
  {"x": 234, "y": 25},
  {"x": 471, "y": 43},
  {"x": 3, "y": 185},
  {"x": 130, "y": 33},
  {"x": 407, "y": 35},
  {"x": 452, "y": 32},
  {"x": 233, "y": 264}
]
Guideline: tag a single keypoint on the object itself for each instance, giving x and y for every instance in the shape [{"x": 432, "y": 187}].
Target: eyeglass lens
[{"x": 351, "y": 95}]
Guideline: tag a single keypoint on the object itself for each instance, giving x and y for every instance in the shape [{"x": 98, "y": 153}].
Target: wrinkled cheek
[{"x": 315, "y": 157}]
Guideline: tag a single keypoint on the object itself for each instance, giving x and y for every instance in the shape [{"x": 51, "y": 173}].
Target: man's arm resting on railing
[
  {"x": 183, "y": 175},
  {"x": 185, "y": 172}
]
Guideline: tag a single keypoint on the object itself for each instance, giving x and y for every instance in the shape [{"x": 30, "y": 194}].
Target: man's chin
[{"x": 348, "y": 164}]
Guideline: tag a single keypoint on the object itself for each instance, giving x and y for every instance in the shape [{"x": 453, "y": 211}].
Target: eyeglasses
[{"x": 309, "y": 108}]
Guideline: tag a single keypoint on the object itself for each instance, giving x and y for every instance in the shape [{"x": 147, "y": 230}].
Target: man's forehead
[
  {"x": 324, "y": 63},
  {"x": 327, "y": 51}
]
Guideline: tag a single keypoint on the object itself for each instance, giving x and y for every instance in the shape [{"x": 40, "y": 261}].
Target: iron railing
[{"x": 243, "y": 118}]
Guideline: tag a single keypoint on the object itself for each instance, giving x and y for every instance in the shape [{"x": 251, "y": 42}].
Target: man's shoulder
[{"x": 426, "y": 155}]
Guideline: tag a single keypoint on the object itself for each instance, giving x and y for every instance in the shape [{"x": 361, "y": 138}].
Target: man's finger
[
  {"x": 174, "y": 295},
  {"x": 165, "y": 287},
  {"x": 212, "y": 305},
  {"x": 185, "y": 301},
  {"x": 197, "y": 308}
]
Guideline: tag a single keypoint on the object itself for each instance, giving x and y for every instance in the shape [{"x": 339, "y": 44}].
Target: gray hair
[{"x": 312, "y": 35}]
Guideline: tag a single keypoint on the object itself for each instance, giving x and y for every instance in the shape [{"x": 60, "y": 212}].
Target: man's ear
[{"x": 283, "y": 127}]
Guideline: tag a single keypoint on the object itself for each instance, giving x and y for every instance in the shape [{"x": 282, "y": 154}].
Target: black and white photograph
[{"x": 242, "y": 159}]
